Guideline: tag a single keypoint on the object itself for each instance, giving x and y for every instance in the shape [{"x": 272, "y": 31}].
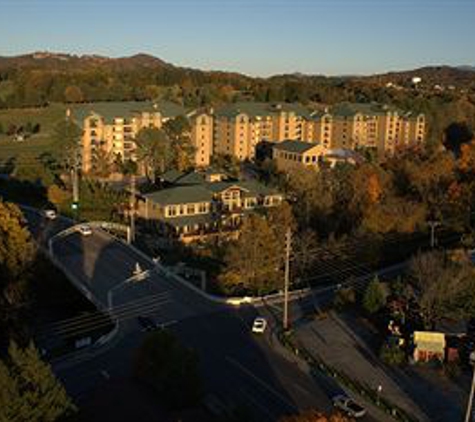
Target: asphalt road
[{"x": 239, "y": 368}]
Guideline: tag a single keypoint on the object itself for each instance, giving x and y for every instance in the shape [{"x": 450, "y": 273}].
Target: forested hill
[{"x": 40, "y": 78}]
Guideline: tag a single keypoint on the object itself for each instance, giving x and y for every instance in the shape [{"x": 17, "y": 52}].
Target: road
[{"x": 238, "y": 367}]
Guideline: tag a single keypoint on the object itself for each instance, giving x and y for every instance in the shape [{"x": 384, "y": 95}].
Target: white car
[
  {"x": 348, "y": 406},
  {"x": 259, "y": 325},
  {"x": 85, "y": 230},
  {"x": 50, "y": 214}
]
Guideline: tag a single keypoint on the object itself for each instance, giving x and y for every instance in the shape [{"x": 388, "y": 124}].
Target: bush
[
  {"x": 392, "y": 355},
  {"x": 344, "y": 297}
]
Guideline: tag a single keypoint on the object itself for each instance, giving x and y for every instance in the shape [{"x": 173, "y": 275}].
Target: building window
[
  {"x": 190, "y": 209},
  {"x": 171, "y": 211}
]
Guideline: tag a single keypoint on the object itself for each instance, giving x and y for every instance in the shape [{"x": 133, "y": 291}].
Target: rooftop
[
  {"x": 193, "y": 188},
  {"x": 298, "y": 147},
  {"x": 125, "y": 109},
  {"x": 256, "y": 109}
]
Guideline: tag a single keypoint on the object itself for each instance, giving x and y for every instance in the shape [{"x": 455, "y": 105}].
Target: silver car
[{"x": 348, "y": 406}]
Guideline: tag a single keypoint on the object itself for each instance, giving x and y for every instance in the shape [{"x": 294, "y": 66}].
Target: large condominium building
[
  {"x": 112, "y": 128},
  {"x": 351, "y": 126},
  {"x": 239, "y": 127},
  {"x": 236, "y": 129}
]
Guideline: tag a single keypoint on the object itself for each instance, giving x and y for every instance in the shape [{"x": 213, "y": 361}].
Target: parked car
[
  {"x": 50, "y": 214},
  {"x": 348, "y": 406},
  {"x": 85, "y": 230},
  {"x": 259, "y": 325},
  {"x": 147, "y": 324}
]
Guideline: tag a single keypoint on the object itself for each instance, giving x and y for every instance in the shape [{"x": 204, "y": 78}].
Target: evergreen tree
[
  {"x": 29, "y": 391},
  {"x": 373, "y": 299}
]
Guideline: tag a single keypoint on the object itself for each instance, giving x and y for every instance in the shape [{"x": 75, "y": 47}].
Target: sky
[{"x": 256, "y": 37}]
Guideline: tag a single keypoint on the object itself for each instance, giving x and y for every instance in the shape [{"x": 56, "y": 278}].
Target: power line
[{"x": 98, "y": 314}]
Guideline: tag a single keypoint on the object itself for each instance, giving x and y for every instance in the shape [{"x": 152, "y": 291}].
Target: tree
[
  {"x": 73, "y": 94},
  {"x": 170, "y": 369},
  {"x": 58, "y": 196},
  {"x": 374, "y": 298},
  {"x": 16, "y": 246},
  {"x": 446, "y": 287},
  {"x": 314, "y": 416},
  {"x": 392, "y": 354},
  {"x": 28, "y": 389},
  {"x": 102, "y": 166},
  {"x": 154, "y": 151},
  {"x": 67, "y": 136},
  {"x": 178, "y": 131},
  {"x": 253, "y": 262}
]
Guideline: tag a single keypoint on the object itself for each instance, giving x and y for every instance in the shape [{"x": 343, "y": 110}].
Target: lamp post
[
  {"x": 380, "y": 389},
  {"x": 472, "y": 389}
]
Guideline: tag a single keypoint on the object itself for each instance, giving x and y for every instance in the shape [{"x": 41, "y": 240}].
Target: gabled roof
[
  {"x": 203, "y": 191},
  {"x": 180, "y": 195},
  {"x": 298, "y": 147},
  {"x": 256, "y": 109},
  {"x": 367, "y": 109},
  {"x": 125, "y": 109},
  {"x": 171, "y": 176}
]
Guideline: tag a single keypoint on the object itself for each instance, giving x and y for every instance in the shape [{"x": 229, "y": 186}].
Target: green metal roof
[
  {"x": 255, "y": 109},
  {"x": 368, "y": 109},
  {"x": 171, "y": 176},
  {"x": 298, "y": 147},
  {"x": 192, "y": 178},
  {"x": 203, "y": 191},
  {"x": 180, "y": 195},
  {"x": 125, "y": 109}
]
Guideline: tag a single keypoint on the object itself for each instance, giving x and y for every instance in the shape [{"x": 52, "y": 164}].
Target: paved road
[{"x": 238, "y": 367}]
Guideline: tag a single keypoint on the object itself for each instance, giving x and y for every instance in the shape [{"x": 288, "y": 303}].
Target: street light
[
  {"x": 472, "y": 389},
  {"x": 380, "y": 389}
]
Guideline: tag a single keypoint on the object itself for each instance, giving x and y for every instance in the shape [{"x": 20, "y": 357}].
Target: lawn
[{"x": 46, "y": 117}]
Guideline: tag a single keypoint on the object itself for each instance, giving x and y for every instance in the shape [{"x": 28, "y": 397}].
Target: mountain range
[{"x": 449, "y": 75}]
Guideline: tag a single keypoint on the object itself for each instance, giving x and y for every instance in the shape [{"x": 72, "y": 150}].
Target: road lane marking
[{"x": 261, "y": 382}]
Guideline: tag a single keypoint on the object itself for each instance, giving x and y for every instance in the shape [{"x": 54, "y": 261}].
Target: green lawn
[{"x": 47, "y": 117}]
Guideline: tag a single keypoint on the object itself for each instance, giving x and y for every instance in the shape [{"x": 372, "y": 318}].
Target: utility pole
[
  {"x": 432, "y": 224},
  {"x": 132, "y": 208},
  {"x": 288, "y": 242},
  {"x": 75, "y": 183}
]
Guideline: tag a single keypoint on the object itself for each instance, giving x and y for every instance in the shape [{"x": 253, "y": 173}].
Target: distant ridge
[{"x": 64, "y": 61}]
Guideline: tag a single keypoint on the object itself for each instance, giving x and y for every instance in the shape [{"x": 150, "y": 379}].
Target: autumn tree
[
  {"x": 58, "y": 196},
  {"x": 154, "y": 151},
  {"x": 29, "y": 391},
  {"x": 253, "y": 262},
  {"x": 16, "y": 246},
  {"x": 446, "y": 286},
  {"x": 73, "y": 94}
]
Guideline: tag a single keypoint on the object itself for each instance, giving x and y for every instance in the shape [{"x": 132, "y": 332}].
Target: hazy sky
[{"x": 258, "y": 37}]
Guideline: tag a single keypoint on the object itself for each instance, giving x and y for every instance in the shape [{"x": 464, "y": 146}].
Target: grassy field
[{"x": 47, "y": 117}]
